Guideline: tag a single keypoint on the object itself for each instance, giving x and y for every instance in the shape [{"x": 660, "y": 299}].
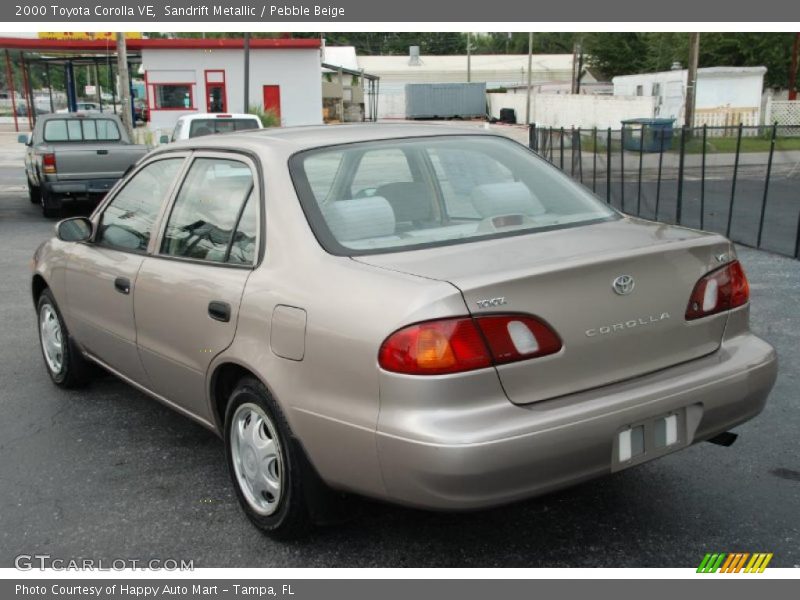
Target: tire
[
  {"x": 62, "y": 360},
  {"x": 34, "y": 193},
  {"x": 51, "y": 205},
  {"x": 271, "y": 456}
]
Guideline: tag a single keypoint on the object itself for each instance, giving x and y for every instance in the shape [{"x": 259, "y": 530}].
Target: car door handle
[
  {"x": 122, "y": 285},
  {"x": 102, "y": 151},
  {"x": 219, "y": 311}
]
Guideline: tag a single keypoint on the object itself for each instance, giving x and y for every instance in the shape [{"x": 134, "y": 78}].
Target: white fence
[
  {"x": 784, "y": 112},
  {"x": 575, "y": 110}
]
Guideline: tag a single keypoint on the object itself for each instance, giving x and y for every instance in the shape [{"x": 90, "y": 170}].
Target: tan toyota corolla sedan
[{"x": 430, "y": 316}]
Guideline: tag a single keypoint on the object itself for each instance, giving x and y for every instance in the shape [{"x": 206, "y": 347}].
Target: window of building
[{"x": 172, "y": 96}]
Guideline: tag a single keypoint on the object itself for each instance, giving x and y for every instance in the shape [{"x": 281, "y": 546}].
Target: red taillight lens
[
  {"x": 49, "y": 163},
  {"x": 464, "y": 344},
  {"x": 435, "y": 348},
  {"x": 720, "y": 290}
]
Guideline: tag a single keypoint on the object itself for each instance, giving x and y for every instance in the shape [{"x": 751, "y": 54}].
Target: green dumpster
[{"x": 649, "y": 135}]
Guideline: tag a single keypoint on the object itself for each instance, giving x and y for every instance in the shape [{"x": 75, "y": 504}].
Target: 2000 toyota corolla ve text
[{"x": 435, "y": 317}]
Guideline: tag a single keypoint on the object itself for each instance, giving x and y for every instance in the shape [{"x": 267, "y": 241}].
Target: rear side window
[
  {"x": 80, "y": 130},
  {"x": 127, "y": 222},
  {"x": 200, "y": 127},
  {"x": 213, "y": 218}
]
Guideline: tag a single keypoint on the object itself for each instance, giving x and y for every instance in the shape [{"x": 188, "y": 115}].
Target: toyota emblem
[{"x": 623, "y": 285}]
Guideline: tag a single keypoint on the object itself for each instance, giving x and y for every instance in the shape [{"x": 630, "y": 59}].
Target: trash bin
[
  {"x": 508, "y": 115},
  {"x": 657, "y": 134}
]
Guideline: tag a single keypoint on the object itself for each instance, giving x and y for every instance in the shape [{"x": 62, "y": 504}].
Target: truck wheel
[
  {"x": 62, "y": 359},
  {"x": 34, "y": 193},
  {"x": 51, "y": 206},
  {"x": 265, "y": 462}
]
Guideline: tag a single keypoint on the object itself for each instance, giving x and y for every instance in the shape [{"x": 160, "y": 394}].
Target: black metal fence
[{"x": 740, "y": 181}]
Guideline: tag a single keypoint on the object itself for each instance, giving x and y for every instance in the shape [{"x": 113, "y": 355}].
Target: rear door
[
  {"x": 101, "y": 275},
  {"x": 188, "y": 293}
]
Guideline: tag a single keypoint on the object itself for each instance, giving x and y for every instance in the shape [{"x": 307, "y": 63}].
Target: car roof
[
  {"x": 219, "y": 116},
  {"x": 77, "y": 115},
  {"x": 295, "y": 139}
]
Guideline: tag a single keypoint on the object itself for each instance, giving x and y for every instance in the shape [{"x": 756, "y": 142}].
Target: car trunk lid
[{"x": 566, "y": 278}]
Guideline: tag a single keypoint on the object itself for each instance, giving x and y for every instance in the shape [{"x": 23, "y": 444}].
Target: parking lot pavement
[{"x": 108, "y": 473}]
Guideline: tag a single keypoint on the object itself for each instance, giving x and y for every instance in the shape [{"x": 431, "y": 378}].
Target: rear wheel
[
  {"x": 62, "y": 359},
  {"x": 34, "y": 193},
  {"x": 51, "y": 204},
  {"x": 265, "y": 462}
]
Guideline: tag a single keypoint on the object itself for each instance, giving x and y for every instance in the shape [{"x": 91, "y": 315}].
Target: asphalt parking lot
[{"x": 108, "y": 473}]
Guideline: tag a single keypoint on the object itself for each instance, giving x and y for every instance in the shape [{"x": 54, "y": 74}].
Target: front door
[
  {"x": 101, "y": 275},
  {"x": 272, "y": 99},
  {"x": 188, "y": 293}
]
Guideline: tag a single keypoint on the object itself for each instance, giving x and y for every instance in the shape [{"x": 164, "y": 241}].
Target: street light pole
[
  {"x": 124, "y": 83},
  {"x": 528, "y": 95},
  {"x": 469, "y": 57},
  {"x": 691, "y": 79},
  {"x": 247, "y": 72}
]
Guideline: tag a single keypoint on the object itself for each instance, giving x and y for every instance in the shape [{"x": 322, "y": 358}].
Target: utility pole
[
  {"x": 469, "y": 57},
  {"x": 124, "y": 83},
  {"x": 247, "y": 73},
  {"x": 691, "y": 79},
  {"x": 528, "y": 95},
  {"x": 793, "y": 68}
]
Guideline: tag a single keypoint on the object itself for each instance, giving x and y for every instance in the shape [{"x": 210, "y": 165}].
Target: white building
[
  {"x": 496, "y": 70},
  {"x": 183, "y": 76},
  {"x": 725, "y": 95}
]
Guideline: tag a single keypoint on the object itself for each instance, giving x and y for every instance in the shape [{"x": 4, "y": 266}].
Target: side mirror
[
  {"x": 164, "y": 139},
  {"x": 23, "y": 138},
  {"x": 75, "y": 229}
]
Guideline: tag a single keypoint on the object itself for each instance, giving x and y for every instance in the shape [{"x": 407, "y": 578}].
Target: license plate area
[{"x": 645, "y": 440}]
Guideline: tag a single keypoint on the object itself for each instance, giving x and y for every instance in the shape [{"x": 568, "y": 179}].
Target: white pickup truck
[{"x": 75, "y": 156}]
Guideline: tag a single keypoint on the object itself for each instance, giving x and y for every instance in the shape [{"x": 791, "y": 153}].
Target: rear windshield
[
  {"x": 418, "y": 192},
  {"x": 209, "y": 126},
  {"x": 81, "y": 130}
]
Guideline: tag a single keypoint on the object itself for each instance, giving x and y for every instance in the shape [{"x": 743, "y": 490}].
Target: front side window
[
  {"x": 80, "y": 130},
  {"x": 205, "y": 220},
  {"x": 418, "y": 192},
  {"x": 127, "y": 222}
]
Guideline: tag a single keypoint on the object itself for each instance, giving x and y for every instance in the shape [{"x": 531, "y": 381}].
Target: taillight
[
  {"x": 464, "y": 344},
  {"x": 49, "y": 162},
  {"x": 720, "y": 290}
]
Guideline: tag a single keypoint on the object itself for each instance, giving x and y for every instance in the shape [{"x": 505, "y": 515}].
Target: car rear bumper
[
  {"x": 481, "y": 454},
  {"x": 80, "y": 187}
]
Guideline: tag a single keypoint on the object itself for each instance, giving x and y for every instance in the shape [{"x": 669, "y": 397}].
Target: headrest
[
  {"x": 411, "y": 201},
  {"x": 360, "y": 218},
  {"x": 510, "y": 198}
]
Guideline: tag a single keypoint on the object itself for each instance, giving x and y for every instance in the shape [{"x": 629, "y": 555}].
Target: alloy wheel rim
[
  {"x": 257, "y": 458},
  {"x": 52, "y": 339}
]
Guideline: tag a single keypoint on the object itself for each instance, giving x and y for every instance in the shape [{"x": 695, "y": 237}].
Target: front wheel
[
  {"x": 265, "y": 462},
  {"x": 63, "y": 361}
]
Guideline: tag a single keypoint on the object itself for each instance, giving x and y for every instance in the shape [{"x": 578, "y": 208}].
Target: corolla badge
[{"x": 623, "y": 285}]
